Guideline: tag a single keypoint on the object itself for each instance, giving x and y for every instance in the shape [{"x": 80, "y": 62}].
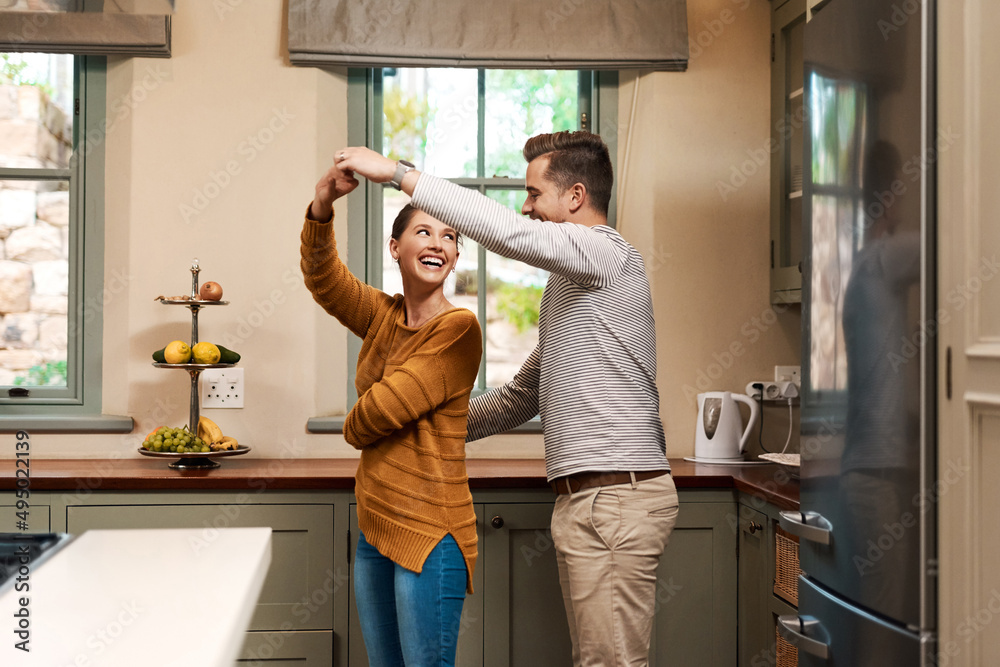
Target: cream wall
[
  {"x": 707, "y": 255},
  {"x": 214, "y": 152}
]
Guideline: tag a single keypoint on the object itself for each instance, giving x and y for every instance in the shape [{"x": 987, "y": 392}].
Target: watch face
[{"x": 408, "y": 164}]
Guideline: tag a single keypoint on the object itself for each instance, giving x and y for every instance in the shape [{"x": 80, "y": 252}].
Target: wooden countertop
[{"x": 769, "y": 482}]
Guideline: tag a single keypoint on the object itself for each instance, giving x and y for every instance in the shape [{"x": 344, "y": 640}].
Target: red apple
[{"x": 210, "y": 291}]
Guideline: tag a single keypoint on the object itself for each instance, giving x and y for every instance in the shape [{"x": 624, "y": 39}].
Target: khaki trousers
[{"x": 608, "y": 544}]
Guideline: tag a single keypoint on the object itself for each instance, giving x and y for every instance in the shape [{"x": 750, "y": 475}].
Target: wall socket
[{"x": 222, "y": 388}]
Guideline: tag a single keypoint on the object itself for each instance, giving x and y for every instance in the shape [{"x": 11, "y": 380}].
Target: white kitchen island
[{"x": 139, "y": 597}]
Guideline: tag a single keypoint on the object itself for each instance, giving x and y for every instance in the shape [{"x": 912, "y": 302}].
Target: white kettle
[{"x": 719, "y": 433}]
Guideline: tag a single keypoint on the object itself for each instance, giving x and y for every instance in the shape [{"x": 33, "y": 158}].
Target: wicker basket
[
  {"x": 785, "y": 655},
  {"x": 786, "y": 566}
]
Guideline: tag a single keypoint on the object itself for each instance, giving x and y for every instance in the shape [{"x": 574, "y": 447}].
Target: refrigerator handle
[
  {"x": 813, "y": 6},
  {"x": 794, "y": 629},
  {"x": 810, "y": 526}
]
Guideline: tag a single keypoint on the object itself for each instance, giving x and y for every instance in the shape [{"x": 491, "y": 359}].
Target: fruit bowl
[
  {"x": 192, "y": 302},
  {"x": 192, "y": 367},
  {"x": 195, "y": 460}
]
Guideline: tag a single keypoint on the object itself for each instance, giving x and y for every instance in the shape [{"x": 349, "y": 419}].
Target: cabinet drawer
[
  {"x": 294, "y": 649},
  {"x": 298, "y": 590}
]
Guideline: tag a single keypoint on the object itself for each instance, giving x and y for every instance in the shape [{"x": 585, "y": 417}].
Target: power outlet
[
  {"x": 771, "y": 391},
  {"x": 788, "y": 374},
  {"x": 222, "y": 388}
]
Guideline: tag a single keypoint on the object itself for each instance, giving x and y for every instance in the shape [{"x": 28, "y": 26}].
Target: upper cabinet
[{"x": 788, "y": 125}]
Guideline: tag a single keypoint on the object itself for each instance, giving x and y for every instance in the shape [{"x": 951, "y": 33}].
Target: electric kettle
[{"x": 719, "y": 434}]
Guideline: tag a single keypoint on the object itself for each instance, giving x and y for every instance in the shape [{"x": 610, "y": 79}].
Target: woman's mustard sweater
[{"x": 410, "y": 418}]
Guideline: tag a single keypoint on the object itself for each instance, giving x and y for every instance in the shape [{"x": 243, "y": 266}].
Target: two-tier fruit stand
[{"x": 189, "y": 460}]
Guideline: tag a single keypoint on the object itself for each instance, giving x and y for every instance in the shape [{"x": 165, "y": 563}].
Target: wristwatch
[{"x": 402, "y": 166}]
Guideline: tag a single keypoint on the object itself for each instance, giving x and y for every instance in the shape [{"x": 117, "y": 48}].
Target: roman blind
[
  {"x": 510, "y": 34},
  {"x": 86, "y": 32}
]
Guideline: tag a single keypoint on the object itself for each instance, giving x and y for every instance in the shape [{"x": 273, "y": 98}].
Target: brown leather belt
[{"x": 587, "y": 480}]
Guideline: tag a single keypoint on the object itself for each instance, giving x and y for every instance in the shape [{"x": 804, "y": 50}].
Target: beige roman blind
[
  {"x": 512, "y": 34},
  {"x": 118, "y": 27}
]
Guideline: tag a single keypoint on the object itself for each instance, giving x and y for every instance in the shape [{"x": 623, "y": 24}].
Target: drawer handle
[
  {"x": 754, "y": 527},
  {"x": 794, "y": 629},
  {"x": 810, "y": 526},
  {"x": 497, "y": 522}
]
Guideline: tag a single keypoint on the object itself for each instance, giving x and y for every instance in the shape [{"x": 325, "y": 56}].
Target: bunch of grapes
[{"x": 180, "y": 440}]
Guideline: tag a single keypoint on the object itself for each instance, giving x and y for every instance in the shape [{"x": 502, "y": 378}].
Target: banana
[
  {"x": 209, "y": 431},
  {"x": 227, "y": 442}
]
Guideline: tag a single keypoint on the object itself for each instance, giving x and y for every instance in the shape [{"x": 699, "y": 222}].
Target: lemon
[
  {"x": 178, "y": 352},
  {"x": 206, "y": 353}
]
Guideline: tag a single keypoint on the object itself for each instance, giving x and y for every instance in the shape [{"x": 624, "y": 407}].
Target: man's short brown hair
[{"x": 576, "y": 157}]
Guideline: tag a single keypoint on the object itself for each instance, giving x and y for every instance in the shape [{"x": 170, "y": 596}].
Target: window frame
[
  {"x": 77, "y": 408},
  {"x": 365, "y": 243}
]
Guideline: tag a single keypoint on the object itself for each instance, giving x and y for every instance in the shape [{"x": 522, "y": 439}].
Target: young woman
[{"x": 416, "y": 369}]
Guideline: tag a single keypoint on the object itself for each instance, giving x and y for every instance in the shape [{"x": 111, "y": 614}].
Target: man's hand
[{"x": 333, "y": 185}]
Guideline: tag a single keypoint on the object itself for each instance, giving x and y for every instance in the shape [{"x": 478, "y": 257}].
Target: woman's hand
[{"x": 333, "y": 185}]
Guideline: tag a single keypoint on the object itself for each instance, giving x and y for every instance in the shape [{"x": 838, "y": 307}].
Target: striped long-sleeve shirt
[{"x": 592, "y": 377}]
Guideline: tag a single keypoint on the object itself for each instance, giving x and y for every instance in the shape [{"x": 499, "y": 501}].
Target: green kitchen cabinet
[
  {"x": 787, "y": 149},
  {"x": 517, "y": 617},
  {"x": 308, "y": 648},
  {"x": 301, "y": 547},
  {"x": 760, "y": 592},
  {"x": 755, "y": 630},
  {"x": 525, "y": 618},
  {"x": 695, "y": 621}
]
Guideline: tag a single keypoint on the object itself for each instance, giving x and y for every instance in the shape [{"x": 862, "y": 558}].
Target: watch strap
[{"x": 402, "y": 166}]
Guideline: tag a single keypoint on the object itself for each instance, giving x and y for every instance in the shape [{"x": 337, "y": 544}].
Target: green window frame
[
  {"x": 77, "y": 407},
  {"x": 598, "y": 105}
]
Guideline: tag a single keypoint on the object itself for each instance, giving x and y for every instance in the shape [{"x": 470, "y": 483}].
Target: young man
[{"x": 592, "y": 378}]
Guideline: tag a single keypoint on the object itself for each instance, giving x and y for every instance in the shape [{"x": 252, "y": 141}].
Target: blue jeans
[{"x": 408, "y": 618}]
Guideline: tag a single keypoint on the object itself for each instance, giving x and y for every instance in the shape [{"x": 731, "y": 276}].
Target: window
[
  {"x": 51, "y": 225},
  {"x": 467, "y": 125}
]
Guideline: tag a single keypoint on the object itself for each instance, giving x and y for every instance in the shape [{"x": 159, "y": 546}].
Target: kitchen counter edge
[{"x": 770, "y": 482}]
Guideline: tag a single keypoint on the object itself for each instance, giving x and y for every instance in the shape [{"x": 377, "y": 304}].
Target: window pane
[
  {"x": 513, "y": 293},
  {"x": 34, "y": 282},
  {"x": 36, "y": 102},
  {"x": 521, "y": 104},
  {"x": 430, "y": 118}
]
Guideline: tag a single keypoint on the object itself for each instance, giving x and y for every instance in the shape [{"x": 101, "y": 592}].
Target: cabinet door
[
  {"x": 696, "y": 619},
  {"x": 297, "y": 592},
  {"x": 788, "y": 121},
  {"x": 287, "y": 649},
  {"x": 525, "y": 620},
  {"x": 470, "y": 633},
  {"x": 755, "y": 630}
]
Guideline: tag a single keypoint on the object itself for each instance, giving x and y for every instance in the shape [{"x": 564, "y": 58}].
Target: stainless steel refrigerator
[{"x": 867, "y": 518}]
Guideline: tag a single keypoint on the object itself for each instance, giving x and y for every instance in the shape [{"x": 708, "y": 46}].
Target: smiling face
[
  {"x": 545, "y": 200},
  {"x": 426, "y": 249}
]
